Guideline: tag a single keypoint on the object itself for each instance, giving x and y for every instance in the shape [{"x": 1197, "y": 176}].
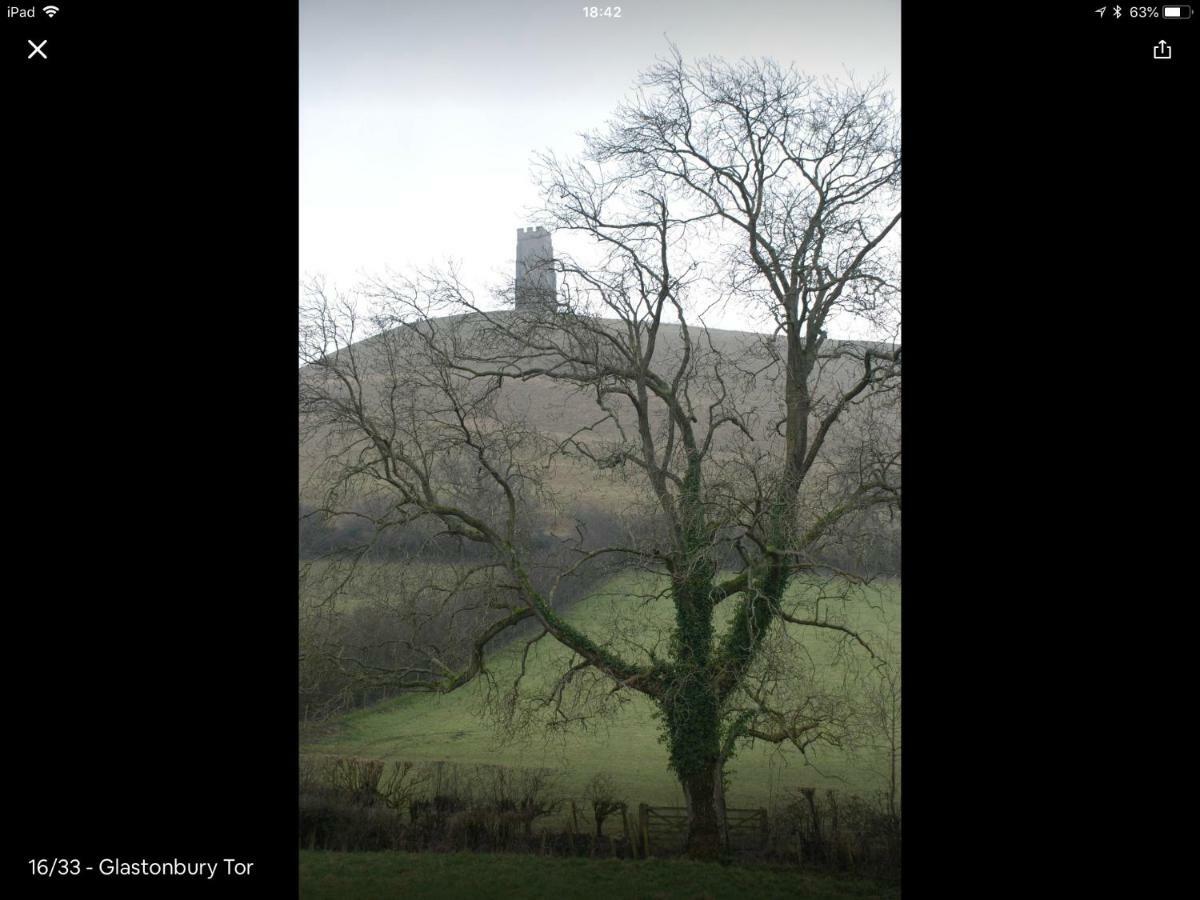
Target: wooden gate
[{"x": 664, "y": 829}]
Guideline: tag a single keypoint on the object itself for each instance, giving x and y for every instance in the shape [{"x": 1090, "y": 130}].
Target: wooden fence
[{"x": 664, "y": 829}]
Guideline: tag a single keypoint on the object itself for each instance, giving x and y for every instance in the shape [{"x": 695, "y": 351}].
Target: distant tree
[
  {"x": 742, "y": 184},
  {"x": 601, "y": 794}
]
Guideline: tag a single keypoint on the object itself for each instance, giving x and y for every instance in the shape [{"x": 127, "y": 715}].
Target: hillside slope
[
  {"x": 740, "y": 368},
  {"x": 457, "y": 727}
]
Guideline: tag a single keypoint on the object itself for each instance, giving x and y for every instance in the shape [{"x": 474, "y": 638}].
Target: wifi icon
[{"x": 50, "y": 11}]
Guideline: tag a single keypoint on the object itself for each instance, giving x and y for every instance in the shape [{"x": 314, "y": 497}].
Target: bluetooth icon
[{"x": 1117, "y": 11}]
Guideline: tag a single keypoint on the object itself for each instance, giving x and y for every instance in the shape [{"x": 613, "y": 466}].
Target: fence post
[{"x": 644, "y": 824}]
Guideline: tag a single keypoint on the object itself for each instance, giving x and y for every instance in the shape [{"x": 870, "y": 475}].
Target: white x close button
[{"x": 37, "y": 49}]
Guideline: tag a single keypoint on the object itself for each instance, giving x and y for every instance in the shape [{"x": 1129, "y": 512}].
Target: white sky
[{"x": 418, "y": 121}]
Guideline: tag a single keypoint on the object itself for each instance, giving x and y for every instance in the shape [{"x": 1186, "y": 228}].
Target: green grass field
[
  {"x": 454, "y": 727},
  {"x": 346, "y": 876}
]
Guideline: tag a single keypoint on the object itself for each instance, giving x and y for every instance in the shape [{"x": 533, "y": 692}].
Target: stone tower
[{"x": 537, "y": 284}]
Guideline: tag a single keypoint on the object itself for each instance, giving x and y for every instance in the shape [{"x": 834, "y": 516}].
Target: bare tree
[{"x": 746, "y": 185}]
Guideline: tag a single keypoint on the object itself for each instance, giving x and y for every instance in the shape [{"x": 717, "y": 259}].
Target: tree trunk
[
  {"x": 696, "y": 761},
  {"x": 692, "y": 705},
  {"x": 704, "y": 835},
  {"x": 693, "y": 737}
]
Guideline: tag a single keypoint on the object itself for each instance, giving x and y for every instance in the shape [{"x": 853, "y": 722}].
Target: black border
[
  {"x": 1047, "y": 257},
  {"x": 150, "y": 188}
]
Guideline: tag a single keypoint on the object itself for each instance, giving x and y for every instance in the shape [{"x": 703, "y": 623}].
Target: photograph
[{"x": 599, "y": 469}]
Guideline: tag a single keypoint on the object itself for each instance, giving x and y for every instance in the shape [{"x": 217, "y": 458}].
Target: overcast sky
[{"x": 418, "y": 120}]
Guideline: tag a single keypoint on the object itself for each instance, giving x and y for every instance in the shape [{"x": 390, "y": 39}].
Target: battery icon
[{"x": 1177, "y": 12}]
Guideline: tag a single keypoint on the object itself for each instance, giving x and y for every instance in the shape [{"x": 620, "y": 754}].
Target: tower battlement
[{"x": 537, "y": 283}]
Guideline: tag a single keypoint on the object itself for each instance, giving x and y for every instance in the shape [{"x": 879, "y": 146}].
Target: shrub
[
  {"x": 601, "y": 794},
  {"x": 840, "y": 832},
  {"x": 349, "y": 803}
]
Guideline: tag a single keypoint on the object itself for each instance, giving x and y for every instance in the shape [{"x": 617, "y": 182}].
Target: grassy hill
[
  {"x": 460, "y": 728},
  {"x": 457, "y": 727},
  {"x": 750, "y": 380}
]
